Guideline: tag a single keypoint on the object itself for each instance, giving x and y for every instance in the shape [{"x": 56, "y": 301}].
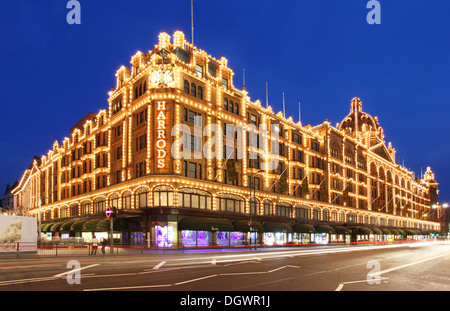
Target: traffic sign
[{"x": 108, "y": 212}]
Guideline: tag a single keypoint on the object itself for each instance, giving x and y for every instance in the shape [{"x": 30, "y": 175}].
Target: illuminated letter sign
[{"x": 161, "y": 134}]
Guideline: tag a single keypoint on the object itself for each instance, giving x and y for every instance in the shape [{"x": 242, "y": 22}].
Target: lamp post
[
  {"x": 253, "y": 216},
  {"x": 441, "y": 216}
]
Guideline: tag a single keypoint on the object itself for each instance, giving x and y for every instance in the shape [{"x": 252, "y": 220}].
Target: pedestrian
[
  {"x": 94, "y": 245},
  {"x": 104, "y": 245}
]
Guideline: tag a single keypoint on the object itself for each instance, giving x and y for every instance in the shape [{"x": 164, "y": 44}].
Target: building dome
[{"x": 358, "y": 121}]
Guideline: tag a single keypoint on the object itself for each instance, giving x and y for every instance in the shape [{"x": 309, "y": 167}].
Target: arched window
[
  {"x": 200, "y": 92},
  {"x": 99, "y": 205},
  {"x": 193, "y": 90},
  {"x": 74, "y": 210},
  {"x": 254, "y": 206},
  {"x": 301, "y": 212},
  {"x": 236, "y": 108},
  {"x": 162, "y": 196},
  {"x": 114, "y": 200},
  {"x": 126, "y": 200},
  {"x": 230, "y": 203},
  {"x": 186, "y": 86},
  {"x": 316, "y": 213},
  {"x": 230, "y": 107},
  {"x": 64, "y": 212},
  {"x": 141, "y": 198},
  {"x": 225, "y": 104},
  {"x": 267, "y": 208},
  {"x": 194, "y": 198},
  {"x": 283, "y": 210},
  {"x": 85, "y": 208}
]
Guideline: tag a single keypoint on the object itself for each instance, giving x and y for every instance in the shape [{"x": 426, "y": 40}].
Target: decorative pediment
[{"x": 382, "y": 151}]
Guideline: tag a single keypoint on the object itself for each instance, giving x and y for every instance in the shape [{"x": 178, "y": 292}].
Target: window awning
[
  {"x": 394, "y": 231},
  {"x": 376, "y": 231},
  {"x": 105, "y": 225},
  {"x": 325, "y": 229},
  {"x": 342, "y": 230},
  {"x": 277, "y": 227},
  {"x": 304, "y": 228},
  {"x": 77, "y": 226},
  {"x": 242, "y": 226},
  {"x": 90, "y": 225},
  {"x": 386, "y": 231},
  {"x": 365, "y": 231},
  {"x": 56, "y": 227},
  {"x": 65, "y": 227},
  {"x": 205, "y": 224},
  {"x": 46, "y": 228}
]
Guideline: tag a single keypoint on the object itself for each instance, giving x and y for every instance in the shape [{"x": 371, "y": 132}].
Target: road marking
[
  {"x": 57, "y": 276},
  {"x": 405, "y": 265},
  {"x": 125, "y": 288},
  {"x": 341, "y": 285},
  {"x": 198, "y": 279},
  {"x": 162, "y": 263}
]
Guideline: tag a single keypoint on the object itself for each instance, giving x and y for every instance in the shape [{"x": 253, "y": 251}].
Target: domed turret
[{"x": 358, "y": 122}]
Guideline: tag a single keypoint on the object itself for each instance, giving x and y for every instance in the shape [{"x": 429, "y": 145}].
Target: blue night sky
[{"x": 320, "y": 52}]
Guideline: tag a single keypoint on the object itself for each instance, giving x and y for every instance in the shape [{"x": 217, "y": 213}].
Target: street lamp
[
  {"x": 441, "y": 217},
  {"x": 253, "y": 222}
]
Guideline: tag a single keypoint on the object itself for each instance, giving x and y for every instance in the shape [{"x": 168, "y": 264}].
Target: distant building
[
  {"x": 8, "y": 198},
  {"x": 330, "y": 183}
]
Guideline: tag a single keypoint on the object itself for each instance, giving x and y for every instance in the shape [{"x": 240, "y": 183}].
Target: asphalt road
[{"x": 405, "y": 267}]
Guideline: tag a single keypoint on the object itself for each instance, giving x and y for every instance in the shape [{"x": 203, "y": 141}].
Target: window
[
  {"x": 162, "y": 196},
  {"x": 230, "y": 203},
  {"x": 225, "y": 83},
  {"x": 192, "y": 117},
  {"x": 315, "y": 146},
  {"x": 192, "y": 170},
  {"x": 117, "y": 106},
  {"x": 200, "y": 93},
  {"x": 334, "y": 153},
  {"x": 225, "y": 104},
  {"x": 236, "y": 108},
  {"x": 193, "y": 90},
  {"x": 193, "y": 198},
  {"x": 199, "y": 71},
  {"x": 267, "y": 208},
  {"x": 283, "y": 210},
  {"x": 186, "y": 86},
  {"x": 140, "y": 169},
  {"x": 141, "y": 142},
  {"x": 141, "y": 198},
  {"x": 119, "y": 153},
  {"x": 141, "y": 117},
  {"x": 126, "y": 200}
]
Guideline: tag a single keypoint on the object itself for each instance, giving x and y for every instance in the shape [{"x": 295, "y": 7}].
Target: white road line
[
  {"x": 406, "y": 265},
  {"x": 57, "y": 276},
  {"x": 125, "y": 288},
  {"x": 341, "y": 285},
  {"x": 198, "y": 279},
  {"x": 162, "y": 263}
]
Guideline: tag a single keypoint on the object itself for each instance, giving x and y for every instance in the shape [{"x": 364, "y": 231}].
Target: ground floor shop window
[
  {"x": 275, "y": 238},
  {"x": 319, "y": 238},
  {"x": 164, "y": 236}
]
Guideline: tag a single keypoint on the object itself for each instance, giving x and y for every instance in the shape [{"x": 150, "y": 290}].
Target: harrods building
[{"x": 188, "y": 159}]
